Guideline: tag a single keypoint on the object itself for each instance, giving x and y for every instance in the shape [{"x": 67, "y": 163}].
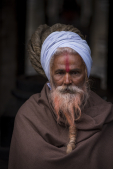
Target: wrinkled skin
[{"x": 68, "y": 69}]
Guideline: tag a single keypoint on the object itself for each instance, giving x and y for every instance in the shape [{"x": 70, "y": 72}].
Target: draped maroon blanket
[{"x": 38, "y": 142}]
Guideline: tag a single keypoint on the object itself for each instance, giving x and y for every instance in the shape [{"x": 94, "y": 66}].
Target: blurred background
[{"x": 18, "y": 80}]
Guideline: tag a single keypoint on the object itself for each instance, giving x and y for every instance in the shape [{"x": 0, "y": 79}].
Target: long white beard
[{"x": 67, "y": 102}]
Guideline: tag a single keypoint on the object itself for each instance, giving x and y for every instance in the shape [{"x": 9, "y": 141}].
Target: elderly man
[{"x": 66, "y": 126}]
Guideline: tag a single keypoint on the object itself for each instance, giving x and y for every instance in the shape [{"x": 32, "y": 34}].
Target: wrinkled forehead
[{"x": 68, "y": 60}]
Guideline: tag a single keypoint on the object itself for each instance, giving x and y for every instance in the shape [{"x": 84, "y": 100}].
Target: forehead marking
[{"x": 67, "y": 63}]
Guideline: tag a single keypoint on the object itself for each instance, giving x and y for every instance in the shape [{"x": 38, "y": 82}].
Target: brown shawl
[{"x": 38, "y": 142}]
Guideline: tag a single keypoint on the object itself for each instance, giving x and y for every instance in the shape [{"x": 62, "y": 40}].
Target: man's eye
[
  {"x": 59, "y": 73},
  {"x": 74, "y": 72}
]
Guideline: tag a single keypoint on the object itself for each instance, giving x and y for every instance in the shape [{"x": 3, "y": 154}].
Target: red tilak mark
[{"x": 67, "y": 63}]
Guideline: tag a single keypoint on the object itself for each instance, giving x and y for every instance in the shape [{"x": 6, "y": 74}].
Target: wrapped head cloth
[{"x": 64, "y": 39}]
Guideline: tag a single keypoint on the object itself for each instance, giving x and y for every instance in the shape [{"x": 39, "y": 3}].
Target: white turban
[{"x": 64, "y": 39}]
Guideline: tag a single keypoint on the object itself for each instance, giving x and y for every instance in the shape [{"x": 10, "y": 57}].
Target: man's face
[
  {"x": 69, "y": 89},
  {"x": 68, "y": 69}
]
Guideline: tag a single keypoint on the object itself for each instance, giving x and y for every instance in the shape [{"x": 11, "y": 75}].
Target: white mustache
[{"x": 69, "y": 89}]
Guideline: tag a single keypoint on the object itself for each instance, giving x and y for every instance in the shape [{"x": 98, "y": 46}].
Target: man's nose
[{"x": 67, "y": 79}]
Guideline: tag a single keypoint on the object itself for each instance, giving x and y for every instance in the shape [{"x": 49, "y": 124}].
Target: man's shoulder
[
  {"x": 30, "y": 106},
  {"x": 95, "y": 99},
  {"x": 35, "y": 105}
]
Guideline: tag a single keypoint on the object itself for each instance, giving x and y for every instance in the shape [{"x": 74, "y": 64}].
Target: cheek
[
  {"x": 57, "y": 80},
  {"x": 79, "y": 81}
]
